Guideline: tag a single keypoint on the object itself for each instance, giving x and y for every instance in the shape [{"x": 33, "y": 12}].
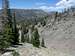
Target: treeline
[
  {"x": 32, "y": 38},
  {"x": 10, "y": 36}
]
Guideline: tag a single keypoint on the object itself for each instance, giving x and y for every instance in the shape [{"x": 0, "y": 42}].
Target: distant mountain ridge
[{"x": 22, "y": 14}]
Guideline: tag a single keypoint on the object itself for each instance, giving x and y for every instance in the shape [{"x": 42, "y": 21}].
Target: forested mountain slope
[{"x": 23, "y": 14}]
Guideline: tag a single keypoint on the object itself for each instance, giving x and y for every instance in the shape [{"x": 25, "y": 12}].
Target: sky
[{"x": 46, "y": 5}]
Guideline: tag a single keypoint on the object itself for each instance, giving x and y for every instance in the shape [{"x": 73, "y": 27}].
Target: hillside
[
  {"x": 23, "y": 14},
  {"x": 60, "y": 35}
]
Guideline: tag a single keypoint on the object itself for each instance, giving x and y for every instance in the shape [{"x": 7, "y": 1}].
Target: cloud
[
  {"x": 59, "y": 6},
  {"x": 50, "y": 8},
  {"x": 0, "y": 8},
  {"x": 66, "y": 3}
]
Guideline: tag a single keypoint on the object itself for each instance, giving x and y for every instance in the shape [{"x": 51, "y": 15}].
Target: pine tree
[
  {"x": 55, "y": 18},
  {"x": 3, "y": 43},
  {"x": 28, "y": 40},
  {"x": 22, "y": 37},
  {"x": 15, "y": 53},
  {"x": 25, "y": 37},
  {"x": 32, "y": 39},
  {"x": 15, "y": 30},
  {"x": 35, "y": 38},
  {"x": 8, "y": 34},
  {"x": 43, "y": 43},
  {"x": 7, "y": 37}
]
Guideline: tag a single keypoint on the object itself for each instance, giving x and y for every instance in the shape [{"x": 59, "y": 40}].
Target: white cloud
[
  {"x": 0, "y": 8},
  {"x": 50, "y": 8},
  {"x": 66, "y": 3},
  {"x": 59, "y": 6}
]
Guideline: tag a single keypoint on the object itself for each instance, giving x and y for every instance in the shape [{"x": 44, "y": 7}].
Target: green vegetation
[
  {"x": 35, "y": 38},
  {"x": 15, "y": 30},
  {"x": 15, "y": 53},
  {"x": 43, "y": 43},
  {"x": 9, "y": 34}
]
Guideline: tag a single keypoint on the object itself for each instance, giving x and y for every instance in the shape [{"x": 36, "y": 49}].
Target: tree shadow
[
  {"x": 16, "y": 45},
  {"x": 2, "y": 51},
  {"x": 5, "y": 50}
]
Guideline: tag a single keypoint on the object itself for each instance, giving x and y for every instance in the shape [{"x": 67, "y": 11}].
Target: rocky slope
[
  {"x": 61, "y": 35},
  {"x": 59, "y": 38},
  {"x": 29, "y": 50}
]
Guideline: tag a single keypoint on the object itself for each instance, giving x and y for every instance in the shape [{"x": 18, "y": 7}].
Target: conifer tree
[
  {"x": 15, "y": 53},
  {"x": 32, "y": 39},
  {"x": 43, "y": 43},
  {"x": 3, "y": 43},
  {"x": 7, "y": 34},
  {"x": 22, "y": 37},
  {"x": 55, "y": 18},
  {"x": 26, "y": 39},
  {"x": 15, "y": 30},
  {"x": 35, "y": 38}
]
